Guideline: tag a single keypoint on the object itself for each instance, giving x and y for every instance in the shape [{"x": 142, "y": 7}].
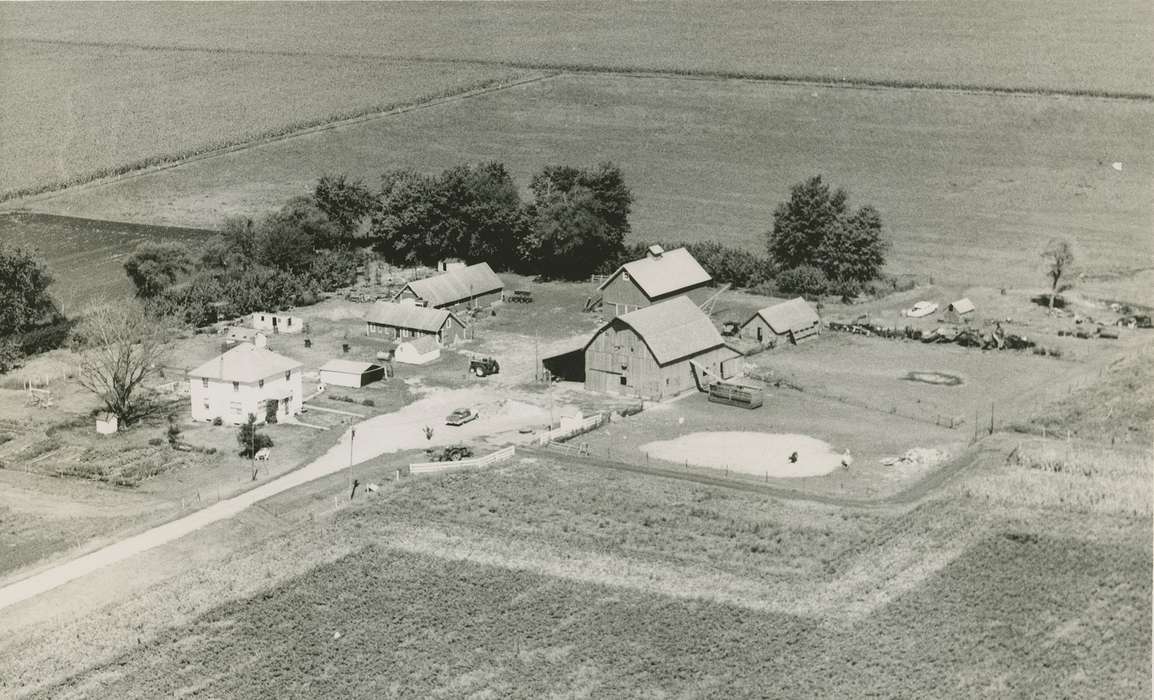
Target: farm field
[
  {"x": 1037, "y": 44},
  {"x": 86, "y": 257},
  {"x": 87, "y": 109},
  {"x": 970, "y": 187},
  {"x": 545, "y": 578}
]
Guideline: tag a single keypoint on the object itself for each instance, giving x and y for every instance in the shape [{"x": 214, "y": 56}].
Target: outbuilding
[
  {"x": 651, "y": 353},
  {"x": 107, "y": 423},
  {"x": 472, "y": 286},
  {"x": 659, "y": 276},
  {"x": 275, "y": 323},
  {"x": 246, "y": 379},
  {"x": 958, "y": 309},
  {"x": 240, "y": 334},
  {"x": 793, "y": 320},
  {"x": 401, "y": 320},
  {"x": 350, "y": 373},
  {"x": 417, "y": 351}
]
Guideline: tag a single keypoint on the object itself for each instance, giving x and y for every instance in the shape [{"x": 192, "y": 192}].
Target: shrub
[
  {"x": 155, "y": 442},
  {"x": 250, "y": 440},
  {"x": 805, "y": 280},
  {"x": 217, "y": 421},
  {"x": 368, "y": 402}
]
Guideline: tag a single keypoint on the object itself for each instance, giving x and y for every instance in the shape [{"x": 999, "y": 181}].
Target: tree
[
  {"x": 402, "y": 222},
  {"x": 120, "y": 347},
  {"x": 815, "y": 228},
  {"x": 578, "y": 219},
  {"x": 153, "y": 267},
  {"x": 1059, "y": 256},
  {"x": 250, "y": 439},
  {"x": 288, "y": 238},
  {"x": 346, "y": 203},
  {"x": 25, "y": 302}
]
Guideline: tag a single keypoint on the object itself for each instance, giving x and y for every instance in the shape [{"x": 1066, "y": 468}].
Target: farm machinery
[{"x": 452, "y": 453}]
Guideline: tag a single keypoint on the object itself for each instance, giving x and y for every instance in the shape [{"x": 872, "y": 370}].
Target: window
[
  {"x": 262, "y": 318},
  {"x": 260, "y": 383},
  {"x": 204, "y": 382},
  {"x": 236, "y": 386},
  {"x": 290, "y": 321},
  {"x": 288, "y": 375},
  {"x": 624, "y": 381}
]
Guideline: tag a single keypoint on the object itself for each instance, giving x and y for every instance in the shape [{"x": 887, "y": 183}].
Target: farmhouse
[
  {"x": 794, "y": 320},
  {"x": 418, "y": 351},
  {"x": 647, "y": 352},
  {"x": 245, "y": 380},
  {"x": 351, "y": 374},
  {"x": 660, "y": 275},
  {"x": 473, "y": 285},
  {"x": 277, "y": 323},
  {"x": 397, "y": 321}
]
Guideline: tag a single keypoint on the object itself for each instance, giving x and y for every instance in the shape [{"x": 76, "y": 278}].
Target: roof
[
  {"x": 245, "y": 363},
  {"x": 658, "y": 275},
  {"x": 962, "y": 306},
  {"x": 400, "y": 315},
  {"x": 348, "y": 367},
  {"x": 794, "y": 314},
  {"x": 457, "y": 285},
  {"x": 243, "y": 332},
  {"x": 672, "y": 329},
  {"x": 423, "y": 345}
]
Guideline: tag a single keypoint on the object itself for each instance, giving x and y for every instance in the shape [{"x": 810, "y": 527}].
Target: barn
[
  {"x": 660, "y": 275},
  {"x": 648, "y": 352},
  {"x": 793, "y": 320},
  {"x": 417, "y": 351},
  {"x": 472, "y": 285},
  {"x": 398, "y": 321},
  {"x": 349, "y": 373}
]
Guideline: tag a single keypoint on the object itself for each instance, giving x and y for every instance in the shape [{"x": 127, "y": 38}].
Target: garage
[{"x": 351, "y": 374}]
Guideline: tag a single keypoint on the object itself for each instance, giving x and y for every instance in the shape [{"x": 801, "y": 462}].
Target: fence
[
  {"x": 492, "y": 458},
  {"x": 566, "y": 432}
]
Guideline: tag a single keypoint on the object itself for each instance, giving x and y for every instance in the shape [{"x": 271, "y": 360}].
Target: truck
[{"x": 483, "y": 366}]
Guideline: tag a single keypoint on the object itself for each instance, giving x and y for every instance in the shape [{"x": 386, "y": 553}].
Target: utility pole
[{"x": 352, "y": 436}]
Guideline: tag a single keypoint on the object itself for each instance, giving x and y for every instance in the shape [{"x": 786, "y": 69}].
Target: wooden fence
[
  {"x": 492, "y": 458},
  {"x": 566, "y": 432}
]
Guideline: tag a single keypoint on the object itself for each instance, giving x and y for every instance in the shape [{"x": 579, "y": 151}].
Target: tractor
[
  {"x": 452, "y": 453},
  {"x": 483, "y": 366}
]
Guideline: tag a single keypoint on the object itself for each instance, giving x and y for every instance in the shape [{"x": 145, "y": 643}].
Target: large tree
[
  {"x": 120, "y": 347},
  {"x": 578, "y": 219},
  {"x": 25, "y": 302},
  {"x": 1059, "y": 256},
  {"x": 816, "y": 228},
  {"x": 155, "y": 266},
  {"x": 288, "y": 238},
  {"x": 345, "y": 202}
]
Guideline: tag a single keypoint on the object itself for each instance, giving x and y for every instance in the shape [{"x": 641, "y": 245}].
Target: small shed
[
  {"x": 958, "y": 309},
  {"x": 350, "y": 373},
  {"x": 794, "y": 319},
  {"x": 107, "y": 423},
  {"x": 417, "y": 351},
  {"x": 277, "y": 323}
]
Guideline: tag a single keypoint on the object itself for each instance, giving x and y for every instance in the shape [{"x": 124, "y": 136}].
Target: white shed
[
  {"x": 418, "y": 351},
  {"x": 351, "y": 374},
  {"x": 107, "y": 423}
]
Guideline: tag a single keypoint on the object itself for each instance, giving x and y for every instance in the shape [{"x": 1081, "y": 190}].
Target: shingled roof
[
  {"x": 673, "y": 329},
  {"x": 410, "y": 315},
  {"x": 457, "y": 285},
  {"x": 792, "y": 315},
  {"x": 245, "y": 363},
  {"x": 667, "y": 272}
]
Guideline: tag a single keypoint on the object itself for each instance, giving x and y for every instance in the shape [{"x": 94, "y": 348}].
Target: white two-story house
[{"x": 245, "y": 380}]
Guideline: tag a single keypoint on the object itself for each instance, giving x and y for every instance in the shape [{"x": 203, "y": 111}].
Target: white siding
[{"x": 213, "y": 398}]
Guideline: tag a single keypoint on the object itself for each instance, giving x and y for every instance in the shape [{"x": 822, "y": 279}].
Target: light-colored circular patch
[
  {"x": 936, "y": 378},
  {"x": 759, "y": 454}
]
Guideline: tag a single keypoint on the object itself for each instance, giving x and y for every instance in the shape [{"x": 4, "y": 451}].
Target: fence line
[
  {"x": 486, "y": 460},
  {"x": 566, "y": 432}
]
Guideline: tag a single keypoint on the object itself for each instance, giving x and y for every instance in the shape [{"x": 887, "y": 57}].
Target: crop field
[
  {"x": 970, "y": 187},
  {"x": 1071, "y": 46},
  {"x": 85, "y": 257},
  {"x": 100, "y": 108},
  {"x": 545, "y": 579}
]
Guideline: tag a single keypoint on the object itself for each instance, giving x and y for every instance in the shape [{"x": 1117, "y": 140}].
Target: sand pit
[{"x": 750, "y": 453}]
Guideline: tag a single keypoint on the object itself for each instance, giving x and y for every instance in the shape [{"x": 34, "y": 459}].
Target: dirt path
[{"x": 376, "y": 436}]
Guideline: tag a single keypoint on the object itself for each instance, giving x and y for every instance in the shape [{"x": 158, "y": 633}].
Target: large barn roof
[
  {"x": 408, "y": 316},
  {"x": 457, "y": 285},
  {"x": 791, "y": 315},
  {"x": 673, "y": 329},
  {"x": 658, "y": 275},
  {"x": 245, "y": 363}
]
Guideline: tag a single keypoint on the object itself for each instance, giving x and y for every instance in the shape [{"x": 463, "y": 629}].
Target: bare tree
[
  {"x": 1060, "y": 257},
  {"x": 120, "y": 347}
]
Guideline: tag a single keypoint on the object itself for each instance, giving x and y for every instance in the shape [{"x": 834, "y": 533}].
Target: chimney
[{"x": 655, "y": 251}]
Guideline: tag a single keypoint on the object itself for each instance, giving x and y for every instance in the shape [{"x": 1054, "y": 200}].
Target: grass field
[
  {"x": 99, "y": 108},
  {"x": 546, "y": 580},
  {"x": 1030, "y": 44},
  {"x": 971, "y": 187}
]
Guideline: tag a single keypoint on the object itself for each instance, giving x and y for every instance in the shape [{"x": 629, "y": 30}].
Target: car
[{"x": 461, "y": 416}]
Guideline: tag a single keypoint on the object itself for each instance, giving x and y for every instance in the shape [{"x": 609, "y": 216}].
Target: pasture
[
  {"x": 970, "y": 187},
  {"x": 1032, "y": 45},
  {"x": 87, "y": 110},
  {"x": 539, "y": 579}
]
